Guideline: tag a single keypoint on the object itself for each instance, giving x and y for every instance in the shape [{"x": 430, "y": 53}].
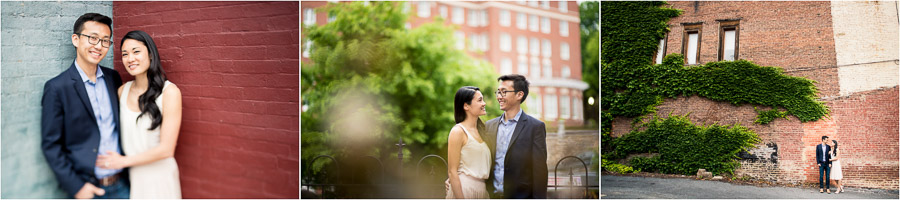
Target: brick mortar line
[{"x": 838, "y": 66}]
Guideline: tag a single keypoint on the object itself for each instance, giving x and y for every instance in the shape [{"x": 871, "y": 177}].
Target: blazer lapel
[
  {"x": 518, "y": 131},
  {"x": 78, "y": 84},
  {"x": 113, "y": 93}
]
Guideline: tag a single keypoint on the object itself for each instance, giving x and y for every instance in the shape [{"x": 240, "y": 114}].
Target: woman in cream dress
[
  {"x": 150, "y": 118},
  {"x": 468, "y": 155},
  {"x": 836, "y": 173}
]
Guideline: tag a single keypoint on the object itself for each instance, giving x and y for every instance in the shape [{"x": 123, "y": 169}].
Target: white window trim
[
  {"x": 459, "y": 15},
  {"x": 308, "y": 48},
  {"x": 563, "y": 28},
  {"x": 545, "y": 25},
  {"x": 565, "y": 106},
  {"x": 505, "y": 18},
  {"x": 546, "y": 48},
  {"x": 564, "y": 51},
  {"x": 460, "y": 39},
  {"x": 473, "y": 18},
  {"x": 522, "y": 65},
  {"x": 522, "y": 21},
  {"x": 563, "y": 6},
  {"x": 535, "y": 47},
  {"x": 424, "y": 9},
  {"x": 533, "y": 23},
  {"x": 506, "y": 66},
  {"x": 505, "y": 42},
  {"x": 552, "y": 107},
  {"x": 443, "y": 11},
  {"x": 547, "y": 66},
  {"x": 535, "y": 65},
  {"x": 309, "y": 16},
  {"x": 522, "y": 45}
]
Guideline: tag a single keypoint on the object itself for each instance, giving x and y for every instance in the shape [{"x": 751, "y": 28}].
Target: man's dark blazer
[
  {"x": 525, "y": 168},
  {"x": 819, "y": 155},
  {"x": 70, "y": 135}
]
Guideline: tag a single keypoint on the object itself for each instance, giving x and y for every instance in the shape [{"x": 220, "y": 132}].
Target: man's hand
[{"x": 88, "y": 192}]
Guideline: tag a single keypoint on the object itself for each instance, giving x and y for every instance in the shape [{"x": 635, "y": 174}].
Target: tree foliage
[{"x": 371, "y": 81}]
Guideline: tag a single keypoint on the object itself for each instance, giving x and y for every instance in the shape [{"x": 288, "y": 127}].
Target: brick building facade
[
  {"x": 538, "y": 39},
  {"x": 852, "y": 57},
  {"x": 236, "y": 64}
]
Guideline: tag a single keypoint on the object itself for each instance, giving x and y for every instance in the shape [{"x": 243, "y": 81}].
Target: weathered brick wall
[
  {"x": 799, "y": 37},
  {"x": 868, "y": 53},
  {"x": 573, "y": 143},
  {"x": 237, "y": 65},
  {"x": 37, "y": 46}
]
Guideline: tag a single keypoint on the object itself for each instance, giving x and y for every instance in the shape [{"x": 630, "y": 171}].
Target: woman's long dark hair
[
  {"x": 156, "y": 78},
  {"x": 464, "y": 96},
  {"x": 834, "y": 152}
]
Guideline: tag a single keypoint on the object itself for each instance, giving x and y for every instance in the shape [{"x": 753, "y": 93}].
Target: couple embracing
[
  {"x": 503, "y": 158},
  {"x": 103, "y": 139}
]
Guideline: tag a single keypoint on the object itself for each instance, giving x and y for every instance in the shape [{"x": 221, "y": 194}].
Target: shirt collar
[
  {"x": 84, "y": 77},
  {"x": 514, "y": 119}
]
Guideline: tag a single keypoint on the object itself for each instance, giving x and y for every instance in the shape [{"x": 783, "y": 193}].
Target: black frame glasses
[
  {"x": 94, "y": 40},
  {"x": 503, "y": 93}
]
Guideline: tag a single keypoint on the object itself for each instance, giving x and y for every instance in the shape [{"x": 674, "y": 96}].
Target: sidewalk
[{"x": 629, "y": 187}]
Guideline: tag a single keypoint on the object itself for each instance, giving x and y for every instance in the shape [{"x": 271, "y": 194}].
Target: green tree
[
  {"x": 590, "y": 59},
  {"x": 371, "y": 81}
]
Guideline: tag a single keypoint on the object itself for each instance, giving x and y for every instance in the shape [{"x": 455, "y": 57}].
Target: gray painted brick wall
[{"x": 36, "y": 46}]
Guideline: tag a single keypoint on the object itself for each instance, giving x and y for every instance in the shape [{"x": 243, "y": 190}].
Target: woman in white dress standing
[
  {"x": 468, "y": 156},
  {"x": 836, "y": 173},
  {"x": 150, "y": 118}
]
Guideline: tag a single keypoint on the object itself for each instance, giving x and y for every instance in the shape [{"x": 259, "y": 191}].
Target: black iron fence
[{"x": 342, "y": 180}]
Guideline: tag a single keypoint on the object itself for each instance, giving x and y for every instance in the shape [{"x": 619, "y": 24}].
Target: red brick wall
[
  {"x": 236, "y": 64},
  {"x": 797, "y": 37}
]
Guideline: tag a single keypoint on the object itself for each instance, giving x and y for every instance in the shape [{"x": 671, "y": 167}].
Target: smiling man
[
  {"x": 80, "y": 113},
  {"x": 518, "y": 145}
]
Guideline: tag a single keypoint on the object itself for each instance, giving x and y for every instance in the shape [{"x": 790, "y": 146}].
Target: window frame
[
  {"x": 726, "y": 25},
  {"x": 690, "y": 28},
  {"x": 665, "y": 45}
]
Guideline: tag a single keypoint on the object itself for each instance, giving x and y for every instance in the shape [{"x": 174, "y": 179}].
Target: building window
[
  {"x": 546, "y": 48},
  {"x": 538, "y": 104},
  {"x": 577, "y": 108},
  {"x": 443, "y": 10},
  {"x": 533, "y": 23},
  {"x": 564, "y": 51},
  {"x": 505, "y": 42},
  {"x": 504, "y": 18},
  {"x": 405, "y": 7},
  {"x": 485, "y": 42},
  {"x": 533, "y": 3},
  {"x": 535, "y": 67},
  {"x": 661, "y": 49},
  {"x": 505, "y": 66},
  {"x": 473, "y": 18},
  {"x": 563, "y": 6},
  {"x": 548, "y": 69},
  {"x": 551, "y": 107},
  {"x": 424, "y": 9},
  {"x": 309, "y": 16},
  {"x": 545, "y": 25},
  {"x": 690, "y": 47},
  {"x": 728, "y": 40},
  {"x": 460, "y": 40},
  {"x": 307, "y": 48},
  {"x": 458, "y": 15},
  {"x": 523, "y": 65},
  {"x": 563, "y": 28},
  {"x": 545, "y": 4},
  {"x": 484, "y": 18},
  {"x": 564, "y": 106},
  {"x": 566, "y": 72},
  {"x": 331, "y": 17},
  {"x": 521, "y": 21},
  {"x": 522, "y": 45},
  {"x": 535, "y": 47}
]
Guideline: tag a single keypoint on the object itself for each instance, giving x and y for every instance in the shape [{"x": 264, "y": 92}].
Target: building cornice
[
  {"x": 558, "y": 82},
  {"x": 513, "y": 7}
]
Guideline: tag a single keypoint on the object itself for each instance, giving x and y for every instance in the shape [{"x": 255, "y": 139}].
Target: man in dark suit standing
[
  {"x": 80, "y": 114},
  {"x": 518, "y": 145},
  {"x": 823, "y": 157}
]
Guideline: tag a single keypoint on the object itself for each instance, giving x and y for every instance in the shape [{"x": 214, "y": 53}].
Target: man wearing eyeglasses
[
  {"x": 79, "y": 116},
  {"x": 518, "y": 145}
]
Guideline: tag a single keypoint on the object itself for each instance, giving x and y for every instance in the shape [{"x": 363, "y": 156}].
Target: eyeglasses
[
  {"x": 502, "y": 93},
  {"x": 94, "y": 40}
]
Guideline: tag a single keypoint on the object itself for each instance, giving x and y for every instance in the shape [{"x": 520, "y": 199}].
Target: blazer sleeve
[
  {"x": 52, "y": 139},
  {"x": 539, "y": 161}
]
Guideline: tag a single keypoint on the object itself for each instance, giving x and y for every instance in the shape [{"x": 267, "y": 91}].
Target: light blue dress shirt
[
  {"x": 103, "y": 112},
  {"x": 504, "y": 135}
]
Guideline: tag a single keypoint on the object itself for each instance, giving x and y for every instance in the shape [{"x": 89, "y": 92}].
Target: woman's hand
[{"x": 112, "y": 160}]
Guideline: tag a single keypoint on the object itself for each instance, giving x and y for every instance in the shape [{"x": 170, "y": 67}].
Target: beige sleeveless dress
[
  {"x": 156, "y": 180},
  {"x": 474, "y": 168}
]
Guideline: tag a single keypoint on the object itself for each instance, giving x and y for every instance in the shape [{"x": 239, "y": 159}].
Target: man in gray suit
[{"x": 518, "y": 145}]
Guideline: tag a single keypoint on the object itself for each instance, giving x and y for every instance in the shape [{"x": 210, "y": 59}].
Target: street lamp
[{"x": 591, "y": 101}]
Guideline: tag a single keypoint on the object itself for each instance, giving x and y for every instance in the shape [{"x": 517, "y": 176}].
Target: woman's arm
[
  {"x": 454, "y": 145},
  {"x": 171, "y": 112}
]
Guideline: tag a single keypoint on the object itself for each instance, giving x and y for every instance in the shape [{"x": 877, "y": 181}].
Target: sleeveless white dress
[
  {"x": 836, "y": 172},
  {"x": 156, "y": 180},
  {"x": 474, "y": 168}
]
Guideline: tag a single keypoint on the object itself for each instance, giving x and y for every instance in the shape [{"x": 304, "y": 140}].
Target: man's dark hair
[
  {"x": 824, "y": 137},
  {"x": 519, "y": 83},
  {"x": 95, "y": 17}
]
